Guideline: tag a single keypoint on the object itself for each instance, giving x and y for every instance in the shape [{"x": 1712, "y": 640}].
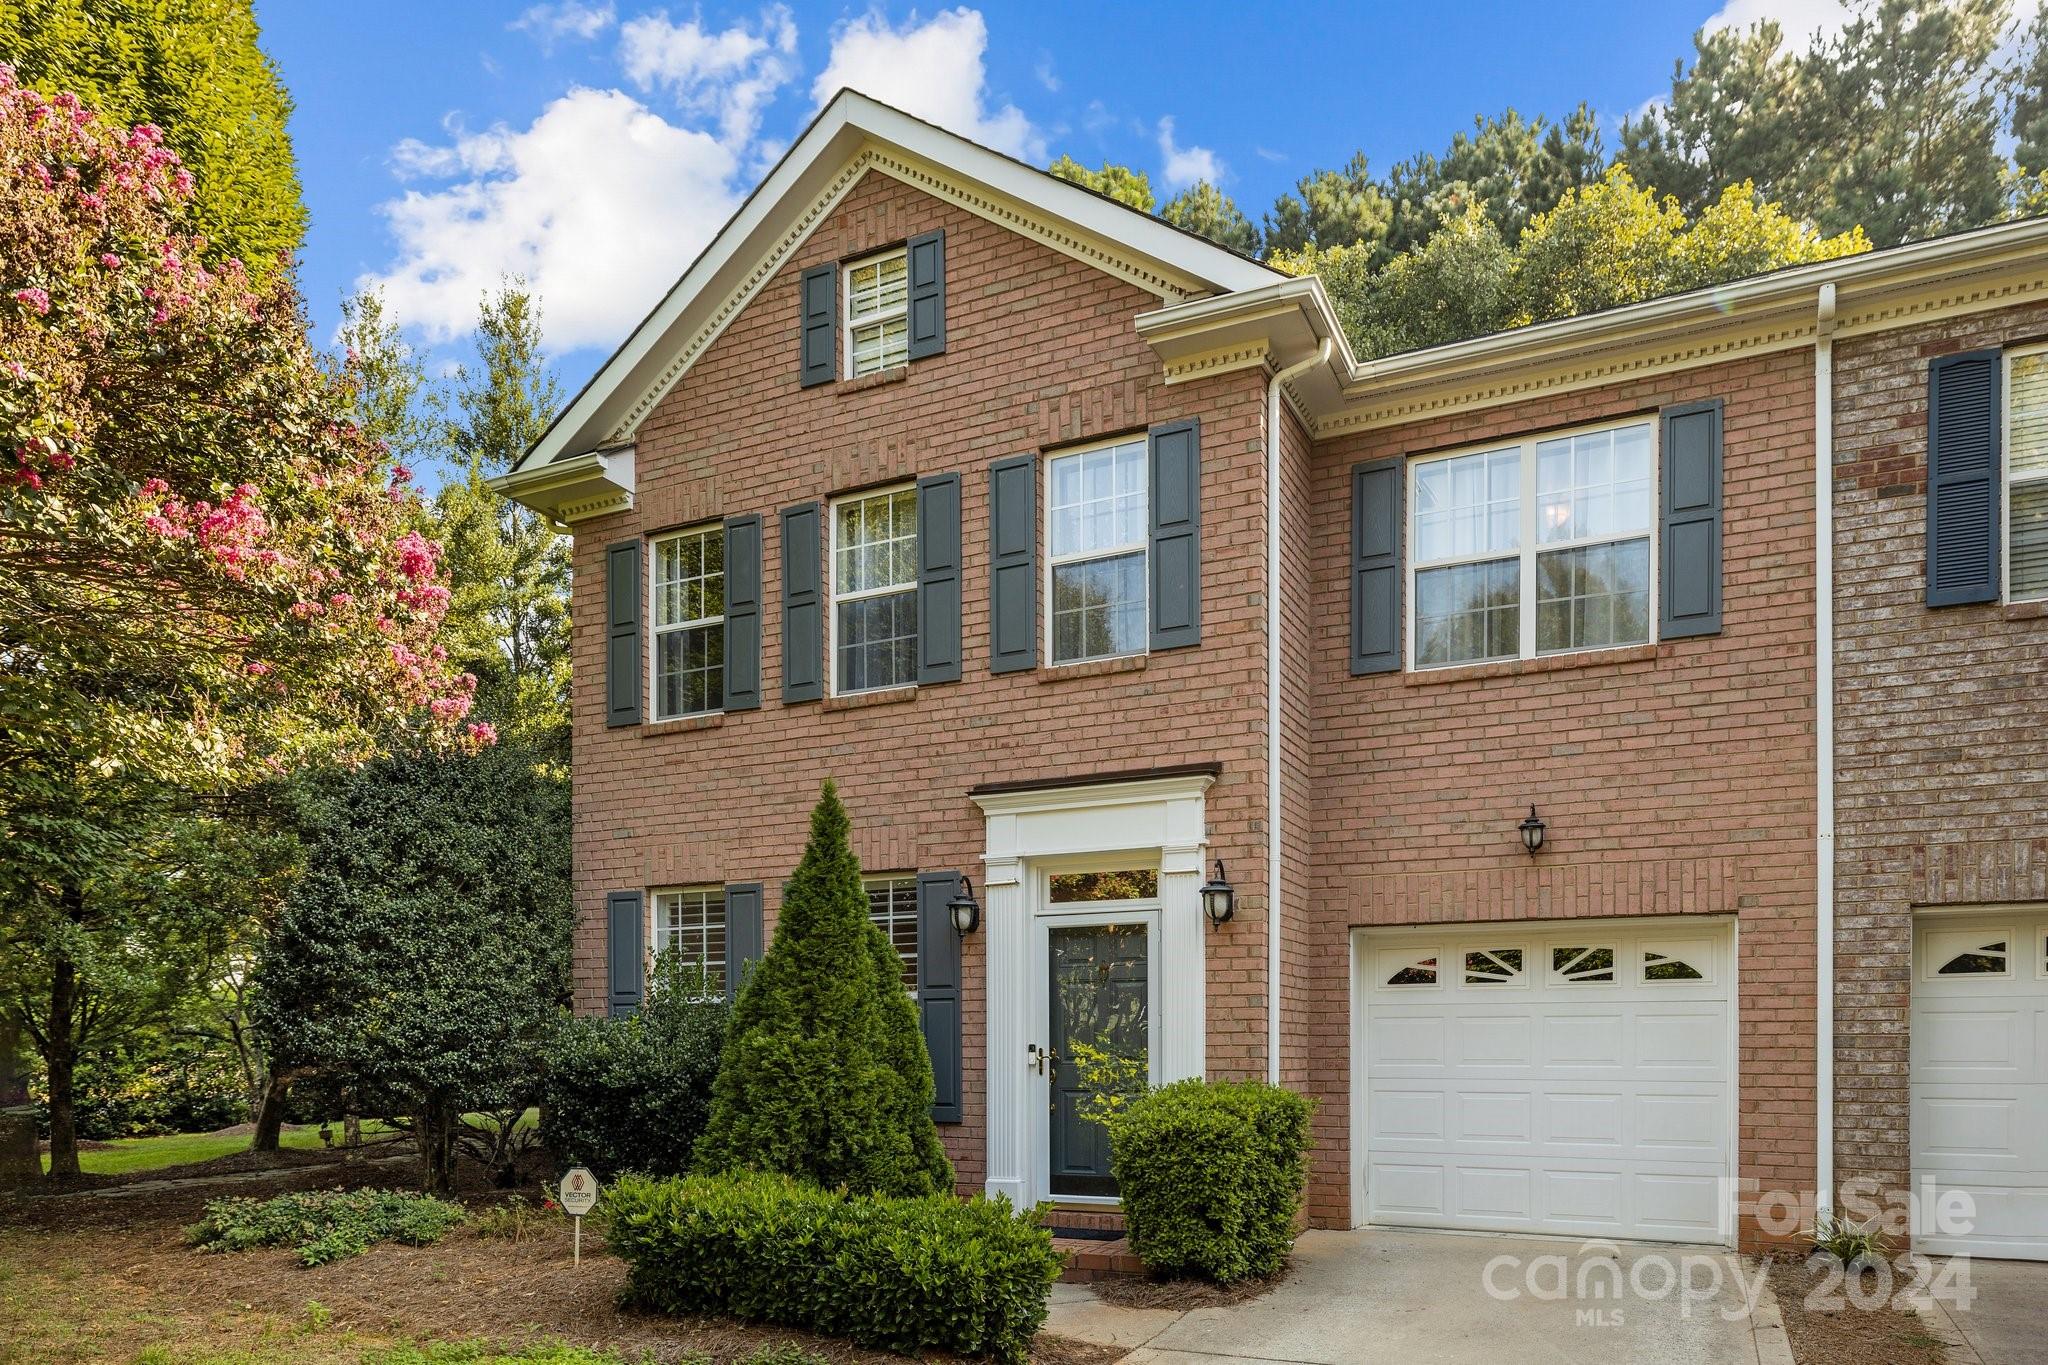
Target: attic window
[{"x": 878, "y": 313}]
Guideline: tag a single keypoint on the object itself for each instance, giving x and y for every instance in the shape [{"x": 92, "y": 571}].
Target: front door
[{"x": 1099, "y": 1019}]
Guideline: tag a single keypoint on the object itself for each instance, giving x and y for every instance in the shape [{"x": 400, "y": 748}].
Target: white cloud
[
  {"x": 1805, "y": 21},
  {"x": 1180, "y": 166},
  {"x": 550, "y": 24},
  {"x": 933, "y": 70},
  {"x": 600, "y": 203},
  {"x": 1047, "y": 76},
  {"x": 731, "y": 74}
]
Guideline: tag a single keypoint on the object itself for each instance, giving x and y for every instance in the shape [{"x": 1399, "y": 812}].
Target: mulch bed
[
  {"x": 1138, "y": 1291},
  {"x": 466, "y": 1286},
  {"x": 1847, "y": 1335}
]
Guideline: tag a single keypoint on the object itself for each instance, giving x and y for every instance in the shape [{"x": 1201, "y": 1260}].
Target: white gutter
[
  {"x": 1824, "y": 740},
  {"x": 1321, "y": 357}
]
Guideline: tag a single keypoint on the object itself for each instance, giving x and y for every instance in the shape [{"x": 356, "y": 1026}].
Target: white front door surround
[{"x": 1154, "y": 821}]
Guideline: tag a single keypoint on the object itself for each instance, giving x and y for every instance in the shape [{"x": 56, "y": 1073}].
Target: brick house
[{"x": 1095, "y": 569}]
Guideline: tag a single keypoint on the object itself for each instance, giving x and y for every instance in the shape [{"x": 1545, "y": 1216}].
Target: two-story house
[{"x": 1516, "y": 689}]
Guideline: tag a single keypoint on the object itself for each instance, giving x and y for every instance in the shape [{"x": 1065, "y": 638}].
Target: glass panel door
[{"x": 1099, "y": 1022}]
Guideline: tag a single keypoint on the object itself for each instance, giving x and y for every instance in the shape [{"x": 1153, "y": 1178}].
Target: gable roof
[{"x": 851, "y": 136}]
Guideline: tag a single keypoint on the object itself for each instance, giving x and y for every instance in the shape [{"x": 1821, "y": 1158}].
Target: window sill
[
  {"x": 1093, "y": 668},
  {"x": 896, "y": 374},
  {"x": 2033, "y": 609},
  {"x": 1549, "y": 663},
  {"x": 710, "y": 720},
  {"x": 881, "y": 696}
]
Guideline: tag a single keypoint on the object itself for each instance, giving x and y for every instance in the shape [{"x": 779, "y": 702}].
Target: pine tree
[
  {"x": 193, "y": 68},
  {"x": 1203, "y": 209},
  {"x": 825, "y": 1075}
]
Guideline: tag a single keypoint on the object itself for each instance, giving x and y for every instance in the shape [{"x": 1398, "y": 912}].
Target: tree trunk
[
  {"x": 60, "y": 1060},
  {"x": 270, "y": 1111},
  {"x": 20, "y": 1163},
  {"x": 434, "y": 1130}
]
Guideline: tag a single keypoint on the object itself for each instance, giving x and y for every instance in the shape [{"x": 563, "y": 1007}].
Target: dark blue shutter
[
  {"x": 926, "y": 259},
  {"x": 742, "y": 613},
  {"x": 803, "y": 609},
  {"x": 1376, "y": 498},
  {"x": 818, "y": 304},
  {"x": 1689, "y": 581},
  {"x": 744, "y": 940},
  {"x": 622, "y": 658},
  {"x": 1175, "y": 461},
  {"x": 938, "y": 989},
  {"x": 625, "y": 950},
  {"x": 1963, "y": 474},
  {"x": 938, "y": 579},
  {"x": 1013, "y": 564}
]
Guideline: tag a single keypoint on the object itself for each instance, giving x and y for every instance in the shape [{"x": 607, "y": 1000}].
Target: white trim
[
  {"x": 1141, "y": 547},
  {"x": 833, "y": 596},
  {"x": 1105, "y": 825},
  {"x": 2007, "y": 477},
  {"x": 1824, "y": 743},
  {"x": 850, "y": 136},
  {"x": 1531, "y": 548}
]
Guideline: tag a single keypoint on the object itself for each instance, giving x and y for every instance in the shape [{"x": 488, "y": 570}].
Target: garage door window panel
[
  {"x": 1983, "y": 954},
  {"x": 1579, "y": 966},
  {"x": 1410, "y": 969},
  {"x": 1494, "y": 967},
  {"x": 1677, "y": 962}
]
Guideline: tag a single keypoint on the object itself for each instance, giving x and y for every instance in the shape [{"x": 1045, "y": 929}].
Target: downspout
[
  {"x": 1824, "y": 740},
  {"x": 1280, "y": 377}
]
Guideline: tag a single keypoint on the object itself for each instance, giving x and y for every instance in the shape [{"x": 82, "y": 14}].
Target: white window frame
[
  {"x": 1529, "y": 548},
  {"x": 848, "y": 321},
  {"x": 1142, "y": 547},
  {"x": 655, "y": 630},
  {"x": 895, "y": 882},
  {"x": 714, "y": 895},
  {"x": 2007, "y": 477},
  {"x": 835, "y": 596}
]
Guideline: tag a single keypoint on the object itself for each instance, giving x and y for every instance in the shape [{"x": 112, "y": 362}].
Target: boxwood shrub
[
  {"x": 903, "y": 1274},
  {"x": 1211, "y": 1174}
]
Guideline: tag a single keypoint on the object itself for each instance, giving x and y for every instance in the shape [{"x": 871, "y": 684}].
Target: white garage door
[
  {"x": 1980, "y": 1081},
  {"x": 1565, "y": 1079}
]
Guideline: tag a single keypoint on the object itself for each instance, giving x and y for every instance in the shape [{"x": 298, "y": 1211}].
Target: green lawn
[{"x": 128, "y": 1155}]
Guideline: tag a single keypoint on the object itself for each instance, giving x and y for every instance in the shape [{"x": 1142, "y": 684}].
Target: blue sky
[{"x": 594, "y": 146}]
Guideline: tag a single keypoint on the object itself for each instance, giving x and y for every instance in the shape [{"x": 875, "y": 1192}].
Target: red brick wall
[
  {"x": 1941, "y": 794},
  {"x": 1676, "y": 778},
  {"x": 1041, "y": 353}
]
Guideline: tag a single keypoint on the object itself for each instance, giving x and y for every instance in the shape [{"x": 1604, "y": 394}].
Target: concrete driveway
[
  {"x": 1437, "y": 1297},
  {"x": 2006, "y": 1322}
]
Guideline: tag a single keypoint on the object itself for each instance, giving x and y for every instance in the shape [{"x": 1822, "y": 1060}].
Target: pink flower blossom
[
  {"x": 33, "y": 298},
  {"x": 110, "y": 261},
  {"x": 482, "y": 732},
  {"x": 257, "y": 668}
]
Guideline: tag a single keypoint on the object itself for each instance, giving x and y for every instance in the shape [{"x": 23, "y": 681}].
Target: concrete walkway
[
  {"x": 2006, "y": 1322},
  {"x": 1355, "y": 1297}
]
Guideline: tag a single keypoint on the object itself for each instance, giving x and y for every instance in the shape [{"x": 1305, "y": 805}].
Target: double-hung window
[
  {"x": 1536, "y": 547},
  {"x": 892, "y": 906},
  {"x": 877, "y": 313},
  {"x": 2026, "y": 474},
  {"x": 1096, "y": 532},
  {"x": 690, "y": 923},
  {"x": 689, "y": 623},
  {"x": 874, "y": 590}
]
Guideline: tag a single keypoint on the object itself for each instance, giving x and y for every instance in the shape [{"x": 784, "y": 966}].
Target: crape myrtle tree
[
  {"x": 421, "y": 959},
  {"x": 208, "y": 574},
  {"x": 825, "y": 1075}
]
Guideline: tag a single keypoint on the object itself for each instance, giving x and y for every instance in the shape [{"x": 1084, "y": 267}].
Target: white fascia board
[{"x": 832, "y": 140}]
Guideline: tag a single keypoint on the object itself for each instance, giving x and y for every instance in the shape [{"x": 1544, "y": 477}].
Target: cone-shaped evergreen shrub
[{"x": 825, "y": 1075}]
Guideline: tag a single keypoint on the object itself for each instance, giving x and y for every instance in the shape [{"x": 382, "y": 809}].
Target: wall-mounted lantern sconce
[
  {"x": 964, "y": 909},
  {"x": 1532, "y": 832},
  {"x": 1219, "y": 898}
]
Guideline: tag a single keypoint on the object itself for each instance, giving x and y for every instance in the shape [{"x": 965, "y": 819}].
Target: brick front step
[{"x": 1088, "y": 1259}]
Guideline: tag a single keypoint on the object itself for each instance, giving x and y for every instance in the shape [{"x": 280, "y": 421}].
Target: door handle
[{"x": 1041, "y": 1057}]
